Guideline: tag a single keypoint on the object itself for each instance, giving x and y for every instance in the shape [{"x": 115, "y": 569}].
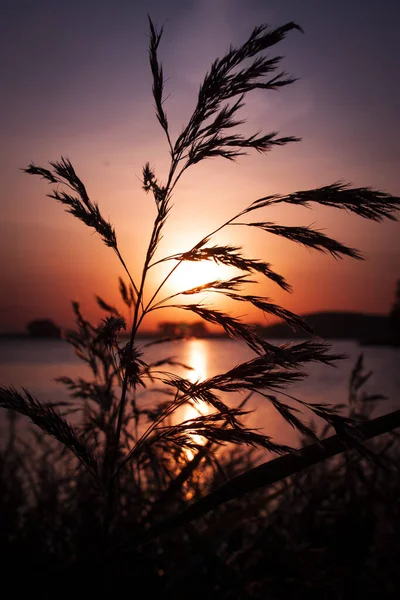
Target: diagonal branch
[{"x": 271, "y": 472}]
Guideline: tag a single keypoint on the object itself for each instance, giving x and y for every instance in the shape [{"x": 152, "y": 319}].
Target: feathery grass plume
[
  {"x": 107, "y": 307},
  {"x": 233, "y": 284},
  {"x": 45, "y": 416},
  {"x": 201, "y": 140},
  {"x": 199, "y": 391},
  {"x": 232, "y": 326},
  {"x": 107, "y": 333},
  {"x": 212, "y": 427},
  {"x": 287, "y": 411},
  {"x": 361, "y": 402},
  {"x": 127, "y": 294},
  {"x": 79, "y": 206},
  {"x": 365, "y": 202},
  {"x": 231, "y": 257},
  {"x": 308, "y": 237},
  {"x": 267, "y": 307},
  {"x": 158, "y": 77}
]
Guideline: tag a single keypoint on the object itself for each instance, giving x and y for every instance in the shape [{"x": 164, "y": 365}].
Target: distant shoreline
[{"x": 367, "y": 329}]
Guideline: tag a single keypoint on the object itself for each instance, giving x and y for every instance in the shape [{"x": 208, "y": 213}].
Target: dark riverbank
[
  {"x": 368, "y": 329},
  {"x": 365, "y": 328}
]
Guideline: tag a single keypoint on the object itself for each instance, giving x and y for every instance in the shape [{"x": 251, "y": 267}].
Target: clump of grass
[{"x": 134, "y": 454}]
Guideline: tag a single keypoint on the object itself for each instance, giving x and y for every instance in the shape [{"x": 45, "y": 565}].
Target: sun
[{"x": 190, "y": 275}]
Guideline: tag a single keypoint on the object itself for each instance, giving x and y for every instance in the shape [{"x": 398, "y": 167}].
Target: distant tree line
[
  {"x": 182, "y": 329},
  {"x": 43, "y": 328}
]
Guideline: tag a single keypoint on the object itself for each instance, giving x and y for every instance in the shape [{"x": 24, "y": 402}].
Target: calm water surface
[{"x": 36, "y": 364}]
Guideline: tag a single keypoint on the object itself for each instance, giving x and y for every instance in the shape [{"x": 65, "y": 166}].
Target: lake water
[{"x": 36, "y": 364}]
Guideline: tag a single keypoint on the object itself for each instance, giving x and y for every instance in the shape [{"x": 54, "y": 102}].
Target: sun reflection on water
[{"x": 197, "y": 359}]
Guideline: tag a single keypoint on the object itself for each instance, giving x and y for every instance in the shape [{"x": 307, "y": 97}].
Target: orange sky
[{"x": 99, "y": 113}]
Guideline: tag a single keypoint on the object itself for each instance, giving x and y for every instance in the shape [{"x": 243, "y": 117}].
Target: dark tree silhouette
[{"x": 43, "y": 328}]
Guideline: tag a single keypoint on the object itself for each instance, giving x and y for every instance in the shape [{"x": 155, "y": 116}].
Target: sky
[{"x": 76, "y": 82}]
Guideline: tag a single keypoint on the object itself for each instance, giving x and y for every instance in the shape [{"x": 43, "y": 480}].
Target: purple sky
[{"x": 75, "y": 81}]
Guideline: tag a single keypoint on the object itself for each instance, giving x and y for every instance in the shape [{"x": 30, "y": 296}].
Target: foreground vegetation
[
  {"x": 331, "y": 530},
  {"x": 133, "y": 495}
]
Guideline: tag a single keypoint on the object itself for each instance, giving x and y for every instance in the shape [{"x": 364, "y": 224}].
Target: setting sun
[{"x": 190, "y": 275}]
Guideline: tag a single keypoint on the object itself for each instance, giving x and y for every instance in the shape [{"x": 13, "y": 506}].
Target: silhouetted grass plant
[{"x": 137, "y": 468}]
